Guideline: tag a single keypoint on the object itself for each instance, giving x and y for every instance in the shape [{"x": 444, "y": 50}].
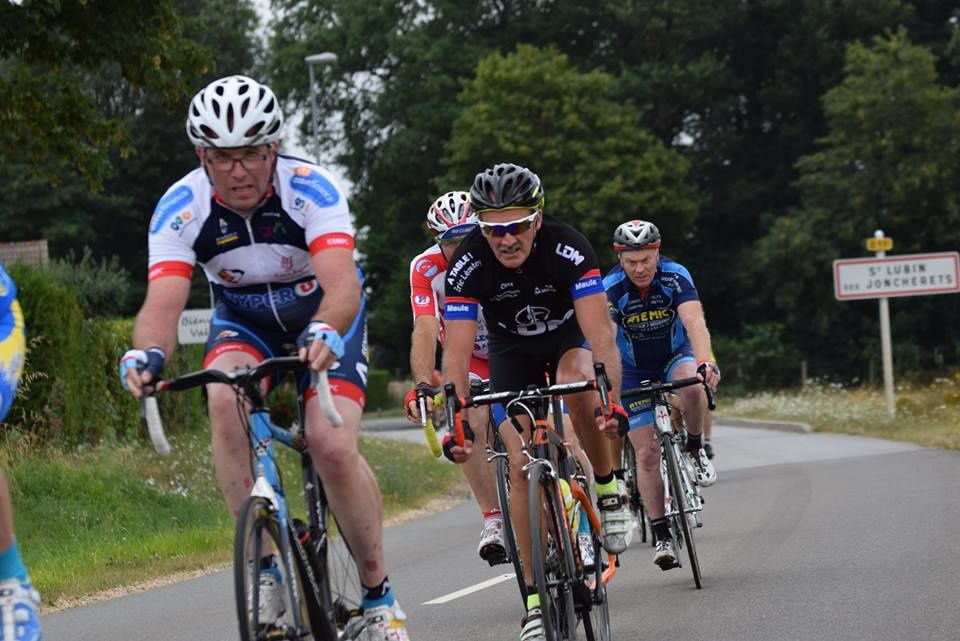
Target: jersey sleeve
[
  {"x": 680, "y": 280},
  {"x": 579, "y": 268},
  {"x": 462, "y": 288},
  {"x": 170, "y": 253},
  {"x": 423, "y": 300},
  {"x": 318, "y": 195}
]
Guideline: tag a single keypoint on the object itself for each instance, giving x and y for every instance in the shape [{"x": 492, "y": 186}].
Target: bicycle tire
[
  {"x": 257, "y": 525},
  {"x": 503, "y": 495},
  {"x": 596, "y": 626},
  {"x": 549, "y": 533},
  {"x": 681, "y": 508},
  {"x": 628, "y": 463},
  {"x": 338, "y": 581}
]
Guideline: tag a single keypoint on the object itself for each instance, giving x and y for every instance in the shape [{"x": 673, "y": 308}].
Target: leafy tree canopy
[{"x": 50, "y": 53}]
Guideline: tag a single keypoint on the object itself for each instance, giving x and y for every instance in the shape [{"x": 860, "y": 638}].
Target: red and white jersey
[
  {"x": 427, "y": 275},
  {"x": 258, "y": 264}
]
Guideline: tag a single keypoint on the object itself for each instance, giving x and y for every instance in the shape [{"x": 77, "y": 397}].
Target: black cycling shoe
[
  {"x": 494, "y": 554},
  {"x": 708, "y": 448}
]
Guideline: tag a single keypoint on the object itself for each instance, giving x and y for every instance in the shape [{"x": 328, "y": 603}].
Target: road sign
[
  {"x": 907, "y": 275},
  {"x": 194, "y": 326},
  {"x": 883, "y": 244}
]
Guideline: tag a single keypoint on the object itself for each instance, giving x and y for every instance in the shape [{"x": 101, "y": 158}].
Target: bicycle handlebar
[
  {"x": 650, "y": 388},
  {"x": 241, "y": 377},
  {"x": 600, "y": 384}
]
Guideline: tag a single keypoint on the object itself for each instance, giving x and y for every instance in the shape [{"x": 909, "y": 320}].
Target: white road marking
[{"x": 470, "y": 590}]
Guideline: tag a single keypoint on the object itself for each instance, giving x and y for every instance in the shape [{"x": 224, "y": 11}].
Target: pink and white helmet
[{"x": 450, "y": 216}]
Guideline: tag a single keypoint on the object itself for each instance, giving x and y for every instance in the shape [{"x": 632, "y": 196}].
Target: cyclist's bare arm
[
  {"x": 336, "y": 273},
  {"x": 691, "y": 314},
  {"x": 423, "y": 356},
  {"x": 156, "y": 323},
  {"x": 423, "y": 348},
  {"x": 457, "y": 350},
  {"x": 594, "y": 320}
]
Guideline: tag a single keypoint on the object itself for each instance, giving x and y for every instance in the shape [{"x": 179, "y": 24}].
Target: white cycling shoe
[
  {"x": 706, "y": 473},
  {"x": 386, "y": 623}
]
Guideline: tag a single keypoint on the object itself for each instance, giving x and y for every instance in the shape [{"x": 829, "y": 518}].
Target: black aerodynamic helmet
[{"x": 504, "y": 186}]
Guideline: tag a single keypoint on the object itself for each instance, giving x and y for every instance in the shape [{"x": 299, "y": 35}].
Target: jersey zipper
[{"x": 273, "y": 307}]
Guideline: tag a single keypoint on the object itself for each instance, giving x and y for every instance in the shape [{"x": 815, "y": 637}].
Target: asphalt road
[{"x": 806, "y": 536}]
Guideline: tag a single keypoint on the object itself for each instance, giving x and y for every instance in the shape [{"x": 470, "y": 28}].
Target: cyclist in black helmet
[{"x": 538, "y": 283}]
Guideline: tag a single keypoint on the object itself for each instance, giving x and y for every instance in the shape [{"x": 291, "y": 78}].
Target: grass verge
[
  {"x": 106, "y": 517},
  {"x": 927, "y": 413}
]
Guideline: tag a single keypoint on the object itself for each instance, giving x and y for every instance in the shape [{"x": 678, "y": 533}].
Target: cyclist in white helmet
[
  {"x": 274, "y": 237},
  {"x": 662, "y": 335},
  {"x": 449, "y": 220}
]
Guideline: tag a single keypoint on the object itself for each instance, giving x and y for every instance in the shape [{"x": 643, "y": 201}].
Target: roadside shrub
[
  {"x": 762, "y": 356},
  {"x": 102, "y": 289},
  {"x": 70, "y": 393},
  {"x": 378, "y": 397}
]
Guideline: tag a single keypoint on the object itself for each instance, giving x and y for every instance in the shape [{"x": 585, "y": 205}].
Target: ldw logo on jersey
[{"x": 570, "y": 253}]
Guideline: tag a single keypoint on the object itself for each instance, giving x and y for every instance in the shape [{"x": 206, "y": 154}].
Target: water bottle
[
  {"x": 585, "y": 541},
  {"x": 570, "y": 505}
]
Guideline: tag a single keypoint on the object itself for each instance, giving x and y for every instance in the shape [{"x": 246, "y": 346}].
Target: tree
[
  {"x": 49, "y": 50},
  {"x": 598, "y": 165},
  {"x": 891, "y": 160}
]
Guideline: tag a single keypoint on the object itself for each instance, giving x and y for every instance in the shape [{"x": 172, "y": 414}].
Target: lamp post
[{"x": 324, "y": 58}]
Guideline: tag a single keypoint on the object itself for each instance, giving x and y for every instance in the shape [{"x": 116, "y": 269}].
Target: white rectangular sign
[
  {"x": 907, "y": 275},
  {"x": 194, "y": 326}
]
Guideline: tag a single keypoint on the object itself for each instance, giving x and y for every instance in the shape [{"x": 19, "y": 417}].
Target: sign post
[
  {"x": 886, "y": 347},
  {"x": 888, "y": 276}
]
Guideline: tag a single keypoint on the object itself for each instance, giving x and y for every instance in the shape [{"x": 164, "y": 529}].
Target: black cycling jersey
[{"x": 531, "y": 300}]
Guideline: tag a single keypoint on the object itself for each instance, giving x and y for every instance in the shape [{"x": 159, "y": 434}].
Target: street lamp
[{"x": 325, "y": 58}]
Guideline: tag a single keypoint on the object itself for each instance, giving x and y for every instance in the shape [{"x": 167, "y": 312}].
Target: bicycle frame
[{"x": 267, "y": 480}]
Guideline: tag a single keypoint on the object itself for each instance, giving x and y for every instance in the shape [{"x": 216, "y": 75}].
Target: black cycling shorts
[{"x": 517, "y": 361}]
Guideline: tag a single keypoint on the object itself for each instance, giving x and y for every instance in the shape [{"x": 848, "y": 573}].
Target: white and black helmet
[
  {"x": 636, "y": 234},
  {"x": 450, "y": 216},
  {"x": 235, "y": 111}
]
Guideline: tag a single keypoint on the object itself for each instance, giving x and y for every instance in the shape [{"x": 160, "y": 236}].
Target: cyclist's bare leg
[
  {"x": 692, "y": 398},
  {"x": 577, "y": 365},
  {"x": 519, "y": 492},
  {"x": 352, "y": 489},
  {"x": 478, "y": 472},
  {"x": 570, "y": 435},
  {"x": 230, "y": 444},
  {"x": 649, "y": 481}
]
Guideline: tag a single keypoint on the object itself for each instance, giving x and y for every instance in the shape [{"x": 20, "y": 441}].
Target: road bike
[
  {"x": 683, "y": 502},
  {"x": 320, "y": 586},
  {"x": 628, "y": 463},
  {"x": 571, "y": 590}
]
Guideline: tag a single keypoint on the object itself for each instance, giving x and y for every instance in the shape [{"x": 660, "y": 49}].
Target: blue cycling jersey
[
  {"x": 12, "y": 342},
  {"x": 649, "y": 329}
]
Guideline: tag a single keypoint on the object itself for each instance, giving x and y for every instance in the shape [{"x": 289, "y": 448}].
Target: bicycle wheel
[
  {"x": 596, "y": 625},
  {"x": 503, "y": 494},
  {"x": 681, "y": 506},
  {"x": 552, "y": 556},
  {"x": 291, "y": 606},
  {"x": 338, "y": 580},
  {"x": 628, "y": 463}
]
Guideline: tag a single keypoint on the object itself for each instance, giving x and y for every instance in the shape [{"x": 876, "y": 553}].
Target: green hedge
[
  {"x": 70, "y": 393},
  {"x": 377, "y": 396}
]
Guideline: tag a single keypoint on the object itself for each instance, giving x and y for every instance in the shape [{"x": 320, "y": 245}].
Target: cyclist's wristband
[{"x": 319, "y": 330}]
